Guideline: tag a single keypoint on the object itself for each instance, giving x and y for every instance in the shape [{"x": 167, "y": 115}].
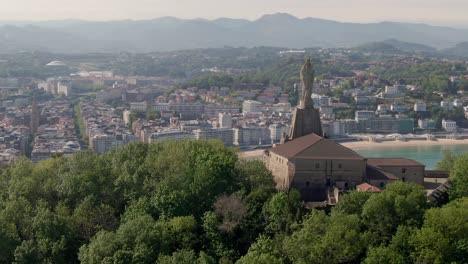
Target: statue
[
  {"x": 307, "y": 83},
  {"x": 306, "y": 119}
]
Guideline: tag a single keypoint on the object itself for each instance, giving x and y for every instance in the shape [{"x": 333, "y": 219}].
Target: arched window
[
  {"x": 403, "y": 170},
  {"x": 382, "y": 185}
]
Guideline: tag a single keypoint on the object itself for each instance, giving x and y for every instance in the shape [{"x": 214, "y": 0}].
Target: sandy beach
[
  {"x": 358, "y": 145},
  {"x": 365, "y": 145}
]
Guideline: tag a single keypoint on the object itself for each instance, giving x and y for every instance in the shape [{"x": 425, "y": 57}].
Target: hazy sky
[{"x": 440, "y": 12}]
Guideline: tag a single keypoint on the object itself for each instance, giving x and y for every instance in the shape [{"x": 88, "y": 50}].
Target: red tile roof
[{"x": 365, "y": 187}]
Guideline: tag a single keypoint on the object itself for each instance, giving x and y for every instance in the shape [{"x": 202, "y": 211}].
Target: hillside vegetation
[{"x": 195, "y": 202}]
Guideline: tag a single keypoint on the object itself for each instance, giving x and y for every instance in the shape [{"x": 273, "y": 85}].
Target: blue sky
[{"x": 437, "y": 12}]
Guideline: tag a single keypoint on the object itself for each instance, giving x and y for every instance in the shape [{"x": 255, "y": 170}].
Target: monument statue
[
  {"x": 307, "y": 83},
  {"x": 306, "y": 119}
]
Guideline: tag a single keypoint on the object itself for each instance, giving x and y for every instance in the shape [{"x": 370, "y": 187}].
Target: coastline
[
  {"x": 364, "y": 145},
  {"x": 368, "y": 145}
]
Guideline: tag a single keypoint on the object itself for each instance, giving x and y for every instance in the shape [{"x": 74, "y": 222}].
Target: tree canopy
[{"x": 195, "y": 202}]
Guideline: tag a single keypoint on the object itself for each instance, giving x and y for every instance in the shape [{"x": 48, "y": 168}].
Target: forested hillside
[{"x": 196, "y": 202}]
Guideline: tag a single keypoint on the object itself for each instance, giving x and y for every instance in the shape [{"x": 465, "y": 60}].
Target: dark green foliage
[
  {"x": 400, "y": 204},
  {"x": 133, "y": 204},
  {"x": 195, "y": 202},
  {"x": 323, "y": 238},
  {"x": 379, "y": 255},
  {"x": 447, "y": 163},
  {"x": 459, "y": 178},
  {"x": 352, "y": 202}
]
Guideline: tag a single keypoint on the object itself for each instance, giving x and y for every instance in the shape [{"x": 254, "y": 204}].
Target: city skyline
[{"x": 434, "y": 12}]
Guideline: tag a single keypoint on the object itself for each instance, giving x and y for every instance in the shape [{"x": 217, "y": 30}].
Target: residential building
[
  {"x": 277, "y": 131},
  {"x": 247, "y": 136},
  {"x": 458, "y": 103},
  {"x": 225, "y": 120},
  {"x": 420, "y": 107},
  {"x": 166, "y": 135},
  {"x": 64, "y": 87},
  {"x": 127, "y": 117},
  {"x": 397, "y": 107},
  {"x": 449, "y": 125},
  {"x": 446, "y": 105},
  {"x": 426, "y": 124},
  {"x": 364, "y": 115},
  {"x": 139, "y": 106},
  {"x": 226, "y": 135},
  {"x": 251, "y": 106},
  {"x": 103, "y": 143}
]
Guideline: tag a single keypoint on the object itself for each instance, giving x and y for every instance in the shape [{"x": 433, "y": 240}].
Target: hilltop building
[{"x": 321, "y": 169}]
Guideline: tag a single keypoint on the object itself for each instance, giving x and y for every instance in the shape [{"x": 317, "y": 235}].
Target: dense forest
[{"x": 196, "y": 202}]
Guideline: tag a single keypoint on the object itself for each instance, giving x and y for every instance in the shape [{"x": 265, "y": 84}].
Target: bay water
[{"x": 426, "y": 154}]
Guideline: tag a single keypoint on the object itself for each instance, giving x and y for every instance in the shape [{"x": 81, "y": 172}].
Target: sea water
[{"x": 426, "y": 154}]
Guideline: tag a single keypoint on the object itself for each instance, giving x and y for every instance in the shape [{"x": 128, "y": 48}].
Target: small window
[
  {"x": 382, "y": 185},
  {"x": 403, "y": 179},
  {"x": 317, "y": 165},
  {"x": 403, "y": 170},
  {"x": 307, "y": 184},
  {"x": 340, "y": 166},
  {"x": 346, "y": 185}
]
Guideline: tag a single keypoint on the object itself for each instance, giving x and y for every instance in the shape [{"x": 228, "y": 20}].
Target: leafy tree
[
  {"x": 459, "y": 178},
  {"x": 378, "y": 255},
  {"x": 185, "y": 256},
  {"x": 9, "y": 240},
  {"x": 264, "y": 250},
  {"x": 216, "y": 243},
  {"x": 443, "y": 237},
  {"x": 282, "y": 210},
  {"x": 447, "y": 163},
  {"x": 430, "y": 246},
  {"x": 323, "y": 238},
  {"x": 353, "y": 202},
  {"x": 399, "y": 204}
]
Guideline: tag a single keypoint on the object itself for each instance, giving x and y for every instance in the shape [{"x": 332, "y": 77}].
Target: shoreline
[
  {"x": 359, "y": 145},
  {"x": 368, "y": 145}
]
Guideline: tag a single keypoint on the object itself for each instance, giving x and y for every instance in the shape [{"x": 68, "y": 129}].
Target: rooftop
[
  {"x": 387, "y": 162},
  {"x": 366, "y": 187}
]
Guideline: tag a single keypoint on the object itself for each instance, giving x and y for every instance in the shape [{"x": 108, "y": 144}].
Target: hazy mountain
[
  {"x": 461, "y": 49},
  {"x": 393, "y": 45},
  {"x": 169, "y": 33}
]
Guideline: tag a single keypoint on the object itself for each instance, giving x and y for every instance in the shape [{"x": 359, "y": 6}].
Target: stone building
[{"x": 320, "y": 168}]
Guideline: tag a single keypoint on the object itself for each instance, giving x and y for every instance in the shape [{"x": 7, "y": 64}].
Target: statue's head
[{"x": 307, "y": 61}]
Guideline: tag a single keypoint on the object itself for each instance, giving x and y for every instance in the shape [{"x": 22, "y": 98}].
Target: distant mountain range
[{"x": 168, "y": 33}]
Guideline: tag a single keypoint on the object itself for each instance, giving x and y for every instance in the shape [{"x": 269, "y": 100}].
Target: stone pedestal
[{"x": 305, "y": 121}]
